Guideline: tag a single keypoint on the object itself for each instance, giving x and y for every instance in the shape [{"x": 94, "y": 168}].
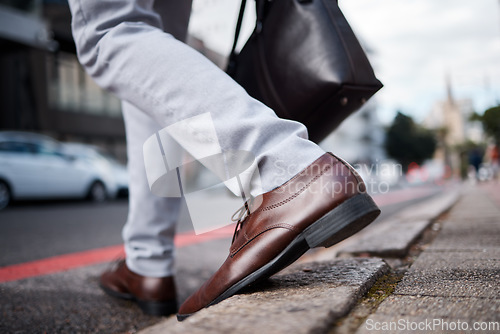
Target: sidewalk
[
  {"x": 456, "y": 277},
  {"x": 454, "y": 285}
]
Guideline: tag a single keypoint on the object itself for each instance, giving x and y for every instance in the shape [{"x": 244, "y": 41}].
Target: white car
[
  {"x": 115, "y": 173},
  {"x": 34, "y": 166}
]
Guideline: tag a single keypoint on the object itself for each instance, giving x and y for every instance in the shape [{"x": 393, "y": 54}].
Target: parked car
[
  {"x": 34, "y": 166},
  {"x": 115, "y": 171}
]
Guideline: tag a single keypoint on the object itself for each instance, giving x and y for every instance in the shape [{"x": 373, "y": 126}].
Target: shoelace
[{"x": 240, "y": 216}]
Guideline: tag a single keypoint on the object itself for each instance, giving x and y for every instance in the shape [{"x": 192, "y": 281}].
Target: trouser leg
[
  {"x": 149, "y": 232},
  {"x": 150, "y": 228}
]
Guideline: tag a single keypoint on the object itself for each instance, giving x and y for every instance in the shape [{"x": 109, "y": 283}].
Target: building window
[{"x": 72, "y": 90}]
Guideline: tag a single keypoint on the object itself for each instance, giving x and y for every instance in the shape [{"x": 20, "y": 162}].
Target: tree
[
  {"x": 408, "y": 142},
  {"x": 491, "y": 122}
]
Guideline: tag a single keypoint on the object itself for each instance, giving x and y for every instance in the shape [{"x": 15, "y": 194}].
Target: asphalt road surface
[{"x": 37, "y": 230}]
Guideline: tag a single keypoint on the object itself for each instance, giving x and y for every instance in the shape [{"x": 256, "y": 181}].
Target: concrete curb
[
  {"x": 393, "y": 237},
  {"x": 305, "y": 298}
]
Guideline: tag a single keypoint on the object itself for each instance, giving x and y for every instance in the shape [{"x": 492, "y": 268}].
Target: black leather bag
[{"x": 304, "y": 61}]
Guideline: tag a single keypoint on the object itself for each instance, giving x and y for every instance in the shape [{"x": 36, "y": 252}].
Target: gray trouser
[{"x": 129, "y": 48}]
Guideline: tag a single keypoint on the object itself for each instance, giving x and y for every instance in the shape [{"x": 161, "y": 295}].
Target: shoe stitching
[
  {"x": 276, "y": 205},
  {"x": 283, "y": 225}
]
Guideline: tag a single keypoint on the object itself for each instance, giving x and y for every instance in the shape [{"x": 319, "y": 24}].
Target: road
[{"x": 36, "y": 230}]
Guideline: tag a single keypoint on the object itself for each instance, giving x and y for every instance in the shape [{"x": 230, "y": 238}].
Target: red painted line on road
[
  {"x": 59, "y": 263},
  {"x": 80, "y": 259},
  {"x": 190, "y": 238}
]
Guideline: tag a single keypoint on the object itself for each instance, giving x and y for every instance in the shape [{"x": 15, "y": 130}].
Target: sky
[{"x": 416, "y": 44}]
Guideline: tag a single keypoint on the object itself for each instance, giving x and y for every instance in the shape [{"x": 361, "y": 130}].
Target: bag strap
[
  {"x": 238, "y": 24},
  {"x": 260, "y": 6},
  {"x": 231, "y": 66}
]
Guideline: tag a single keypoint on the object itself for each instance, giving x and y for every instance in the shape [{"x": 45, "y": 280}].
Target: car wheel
[
  {"x": 5, "y": 195},
  {"x": 97, "y": 192}
]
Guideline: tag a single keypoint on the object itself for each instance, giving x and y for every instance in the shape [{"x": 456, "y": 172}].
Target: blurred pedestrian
[
  {"x": 135, "y": 50},
  {"x": 475, "y": 159}
]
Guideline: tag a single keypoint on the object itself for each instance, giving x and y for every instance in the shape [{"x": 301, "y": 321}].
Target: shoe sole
[
  {"x": 153, "y": 308},
  {"x": 348, "y": 218}
]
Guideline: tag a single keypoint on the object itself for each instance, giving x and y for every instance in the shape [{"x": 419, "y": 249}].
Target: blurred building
[
  {"x": 360, "y": 138},
  {"x": 451, "y": 119},
  {"x": 43, "y": 88},
  {"x": 453, "y": 116}
]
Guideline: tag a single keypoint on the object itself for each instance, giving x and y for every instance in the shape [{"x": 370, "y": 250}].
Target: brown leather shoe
[
  {"x": 320, "y": 206},
  {"x": 154, "y": 295}
]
